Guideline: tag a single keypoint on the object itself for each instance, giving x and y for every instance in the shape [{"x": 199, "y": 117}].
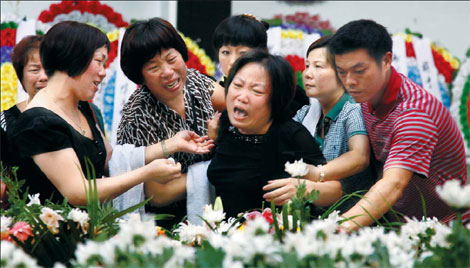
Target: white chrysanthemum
[
  {"x": 442, "y": 231},
  {"x": 13, "y": 256},
  {"x": 51, "y": 218},
  {"x": 181, "y": 255},
  {"x": 190, "y": 233},
  {"x": 228, "y": 226},
  {"x": 156, "y": 246},
  {"x": 238, "y": 246},
  {"x": 400, "y": 251},
  {"x": 33, "y": 200},
  {"x": 59, "y": 265},
  {"x": 212, "y": 216},
  {"x": 258, "y": 224},
  {"x": 80, "y": 217},
  {"x": 412, "y": 228},
  {"x": 86, "y": 251},
  {"x": 454, "y": 194},
  {"x": 5, "y": 223},
  {"x": 217, "y": 240},
  {"x": 229, "y": 262},
  {"x": 297, "y": 169},
  {"x": 135, "y": 230}
]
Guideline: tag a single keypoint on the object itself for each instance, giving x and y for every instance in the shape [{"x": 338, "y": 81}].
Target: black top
[
  {"x": 7, "y": 120},
  {"x": 39, "y": 130},
  {"x": 243, "y": 164}
]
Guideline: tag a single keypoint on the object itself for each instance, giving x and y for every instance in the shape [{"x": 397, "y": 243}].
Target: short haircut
[
  {"x": 143, "y": 40},
  {"x": 321, "y": 42},
  {"x": 22, "y": 53},
  {"x": 281, "y": 76},
  {"x": 243, "y": 30},
  {"x": 362, "y": 34},
  {"x": 69, "y": 47}
]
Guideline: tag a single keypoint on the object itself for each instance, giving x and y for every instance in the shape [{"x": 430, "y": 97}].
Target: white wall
[{"x": 447, "y": 23}]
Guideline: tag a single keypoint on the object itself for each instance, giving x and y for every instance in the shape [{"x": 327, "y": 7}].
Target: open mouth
[
  {"x": 239, "y": 113},
  {"x": 172, "y": 85}
]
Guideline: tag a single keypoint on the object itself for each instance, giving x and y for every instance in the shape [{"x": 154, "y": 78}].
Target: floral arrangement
[
  {"x": 446, "y": 65},
  {"x": 9, "y": 80},
  {"x": 302, "y": 21},
  {"x": 459, "y": 108},
  {"x": 197, "y": 57},
  {"x": 292, "y": 45},
  {"x": 264, "y": 238}
]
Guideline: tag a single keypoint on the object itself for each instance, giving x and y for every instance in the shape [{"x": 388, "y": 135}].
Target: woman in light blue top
[{"x": 335, "y": 120}]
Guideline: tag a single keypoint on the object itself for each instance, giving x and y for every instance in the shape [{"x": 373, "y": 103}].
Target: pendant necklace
[{"x": 82, "y": 131}]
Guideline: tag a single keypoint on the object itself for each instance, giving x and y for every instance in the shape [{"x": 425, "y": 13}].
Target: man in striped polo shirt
[{"x": 412, "y": 134}]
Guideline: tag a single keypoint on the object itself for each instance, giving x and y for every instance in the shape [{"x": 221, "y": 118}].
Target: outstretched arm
[
  {"x": 183, "y": 141},
  {"x": 63, "y": 169},
  {"x": 347, "y": 164},
  {"x": 379, "y": 199}
]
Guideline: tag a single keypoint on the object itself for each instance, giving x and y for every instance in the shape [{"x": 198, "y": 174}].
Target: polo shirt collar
[
  {"x": 388, "y": 102},
  {"x": 334, "y": 112}
]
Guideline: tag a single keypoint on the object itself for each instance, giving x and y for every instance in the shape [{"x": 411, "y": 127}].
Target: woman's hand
[
  {"x": 163, "y": 170},
  {"x": 213, "y": 126},
  {"x": 284, "y": 190},
  {"x": 190, "y": 142}
]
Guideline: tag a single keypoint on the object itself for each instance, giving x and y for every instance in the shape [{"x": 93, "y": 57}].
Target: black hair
[
  {"x": 22, "y": 53},
  {"x": 281, "y": 76},
  {"x": 243, "y": 30},
  {"x": 69, "y": 47},
  {"x": 358, "y": 34},
  {"x": 143, "y": 40}
]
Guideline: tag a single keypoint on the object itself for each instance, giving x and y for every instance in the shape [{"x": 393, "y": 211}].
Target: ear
[{"x": 387, "y": 60}]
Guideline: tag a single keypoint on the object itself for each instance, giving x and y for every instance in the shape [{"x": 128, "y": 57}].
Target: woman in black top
[
  {"x": 256, "y": 135},
  {"x": 57, "y": 133},
  {"x": 28, "y": 68}
]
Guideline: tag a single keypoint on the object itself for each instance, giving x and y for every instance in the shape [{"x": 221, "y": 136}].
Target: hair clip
[{"x": 251, "y": 16}]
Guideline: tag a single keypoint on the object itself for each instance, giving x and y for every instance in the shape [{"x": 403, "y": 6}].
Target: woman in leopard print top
[{"x": 170, "y": 98}]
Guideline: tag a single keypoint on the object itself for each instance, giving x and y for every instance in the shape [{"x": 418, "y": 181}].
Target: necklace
[{"x": 79, "y": 125}]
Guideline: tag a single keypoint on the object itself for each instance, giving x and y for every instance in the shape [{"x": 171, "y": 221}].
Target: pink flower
[{"x": 21, "y": 230}]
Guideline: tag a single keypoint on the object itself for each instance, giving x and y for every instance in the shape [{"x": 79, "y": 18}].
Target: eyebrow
[{"x": 359, "y": 64}]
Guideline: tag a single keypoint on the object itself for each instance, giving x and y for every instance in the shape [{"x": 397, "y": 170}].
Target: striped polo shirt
[{"x": 411, "y": 129}]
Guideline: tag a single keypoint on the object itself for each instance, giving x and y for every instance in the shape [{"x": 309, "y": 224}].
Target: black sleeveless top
[{"x": 39, "y": 130}]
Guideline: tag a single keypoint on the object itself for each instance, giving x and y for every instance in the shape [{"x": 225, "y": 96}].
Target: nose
[
  {"x": 233, "y": 58},
  {"x": 308, "y": 73},
  {"x": 102, "y": 72},
  {"x": 242, "y": 96},
  {"x": 349, "y": 80},
  {"x": 42, "y": 76},
  {"x": 166, "y": 72}
]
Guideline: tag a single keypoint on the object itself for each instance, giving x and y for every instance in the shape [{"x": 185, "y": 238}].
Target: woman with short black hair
[
  {"x": 256, "y": 136},
  {"x": 170, "y": 98}
]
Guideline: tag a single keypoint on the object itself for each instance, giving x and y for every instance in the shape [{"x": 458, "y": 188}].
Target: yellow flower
[
  {"x": 113, "y": 36},
  {"x": 9, "y": 86},
  {"x": 455, "y": 64}
]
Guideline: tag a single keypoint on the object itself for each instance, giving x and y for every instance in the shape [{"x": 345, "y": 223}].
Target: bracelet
[
  {"x": 322, "y": 173},
  {"x": 165, "y": 151}
]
